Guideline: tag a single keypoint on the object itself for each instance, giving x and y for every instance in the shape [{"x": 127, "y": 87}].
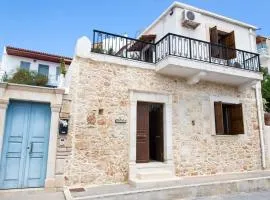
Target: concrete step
[
  {"x": 154, "y": 175},
  {"x": 190, "y": 187},
  {"x": 152, "y": 183}
]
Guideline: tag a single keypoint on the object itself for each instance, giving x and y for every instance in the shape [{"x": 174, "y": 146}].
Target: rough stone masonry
[{"x": 98, "y": 147}]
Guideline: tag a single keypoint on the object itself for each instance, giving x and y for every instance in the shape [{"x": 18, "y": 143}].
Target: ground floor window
[{"x": 228, "y": 118}]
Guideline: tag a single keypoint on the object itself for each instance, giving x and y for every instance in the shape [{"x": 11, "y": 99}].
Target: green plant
[
  {"x": 266, "y": 89},
  {"x": 40, "y": 80},
  {"x": 22, "y": 76},
  {"x": 111, "y": 52},
  {"x": 98, "y": 49},
  {"x": 63, "y": 66},
  {"x": 26, "y": 77},
  {"x": 5, "y": 77}
]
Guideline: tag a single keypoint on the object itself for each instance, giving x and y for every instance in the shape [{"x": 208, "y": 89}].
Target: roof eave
[
  {"x": 205, "y": 12},
  {"x": 36, "y": 55}
]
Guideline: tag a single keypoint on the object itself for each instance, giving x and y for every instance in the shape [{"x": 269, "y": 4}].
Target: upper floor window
[
  {"x": 228, "y": 118},
  {"x": 261, "y": 42},
  {"x": 58, "y": 70},
  {"x": 262, "y": 46},
  {"x": 25, "y": 65},
  {"x": 222, "y": 44},
  {"x": 43, "y": 69}
]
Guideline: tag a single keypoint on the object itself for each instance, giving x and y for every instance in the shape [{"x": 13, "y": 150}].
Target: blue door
[{"x": 25, "y": 145}]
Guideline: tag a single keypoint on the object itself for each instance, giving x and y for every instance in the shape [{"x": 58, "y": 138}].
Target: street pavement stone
[
  {"x": 31, "y": 195},
  {"x": 263, "y": 195}
]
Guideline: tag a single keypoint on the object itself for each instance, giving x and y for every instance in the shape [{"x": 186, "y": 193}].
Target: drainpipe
[{"x": 258, "y": 100}]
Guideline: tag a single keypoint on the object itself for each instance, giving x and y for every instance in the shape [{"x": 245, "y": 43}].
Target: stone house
[{"x": 182, "y": 99}]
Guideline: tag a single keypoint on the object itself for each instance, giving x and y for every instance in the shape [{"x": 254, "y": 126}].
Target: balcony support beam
[
  {"x": 195, "y": 78},
  {"x": 250, "y": 84}
]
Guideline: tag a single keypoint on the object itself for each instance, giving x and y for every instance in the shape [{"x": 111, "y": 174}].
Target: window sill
[{"x": 227, "y": 135}]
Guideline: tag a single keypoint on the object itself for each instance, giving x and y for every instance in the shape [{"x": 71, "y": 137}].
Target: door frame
[
  {"x": 53, "y": 96},
  {"x": 153, "y": 97}
]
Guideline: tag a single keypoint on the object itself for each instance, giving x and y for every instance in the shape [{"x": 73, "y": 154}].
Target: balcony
[
  {"x": 263, "y": 50},
  {"x": 53, "y": 80},
  {"x": 185, "y": 57}
]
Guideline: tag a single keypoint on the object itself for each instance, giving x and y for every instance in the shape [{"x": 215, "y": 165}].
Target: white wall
[
  {"x": 265, "y": 55},
  {"x": 268, "y": 46},
  {"x": 113, "y": 43},
  {"x": 244, "y": 39},
  {"x": 11, "y": 63}
]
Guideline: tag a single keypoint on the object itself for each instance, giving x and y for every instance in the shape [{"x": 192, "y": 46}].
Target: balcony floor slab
[{"x": 185, "y": 68}]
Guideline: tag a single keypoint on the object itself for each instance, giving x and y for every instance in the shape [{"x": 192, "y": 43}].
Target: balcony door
[
  {"x": 222, "y": 44},
  {"x": 43, "y": 70}
]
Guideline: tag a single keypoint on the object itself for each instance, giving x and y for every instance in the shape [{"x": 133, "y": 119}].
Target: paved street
[
  {"x": 242, "y": 196},
  {"x": 42, "y": 195},
  {"x": 31, "y": 195}
]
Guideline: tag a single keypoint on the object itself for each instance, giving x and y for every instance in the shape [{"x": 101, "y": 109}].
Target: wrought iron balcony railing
[{"x": 173, "y": 45}]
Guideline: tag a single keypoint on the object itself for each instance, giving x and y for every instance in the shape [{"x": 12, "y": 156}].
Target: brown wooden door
[
  {"x": 142, "y": 138},
  {"x": 159, "y": 135},
  {"x": 230, "y": 43}
]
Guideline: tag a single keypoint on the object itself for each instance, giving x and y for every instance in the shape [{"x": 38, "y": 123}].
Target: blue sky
[{"x": 54, "y": 25}]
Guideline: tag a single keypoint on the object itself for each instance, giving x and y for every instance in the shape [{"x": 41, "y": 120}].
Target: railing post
[
  {"x": 190, "y": 52},
  {"x": 259, "y": 62},
  {"x": 155, "y": 50},
  {"x": 169, "y": 40},
  {"x": 210, "y": 54},
  {"x": 243, "y": 54},
  {"x": 93, "y": 47},
  {"x": 126, "y": 47},
  {"x": 226, "y": 56}
]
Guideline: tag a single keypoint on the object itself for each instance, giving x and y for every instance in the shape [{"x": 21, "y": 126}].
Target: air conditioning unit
[{"x": 190, "y": 19}]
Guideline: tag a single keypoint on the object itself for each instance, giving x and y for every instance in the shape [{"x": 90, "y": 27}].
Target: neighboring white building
[
  {"x": 263, "y": 47},
  {"x": 44, "y": 63},
  {"x": 30, "y": 114}
]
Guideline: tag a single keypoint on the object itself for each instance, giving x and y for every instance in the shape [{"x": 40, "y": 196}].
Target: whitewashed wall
[
  {"x": 244, "y": 38},
  {"x": 10, "y": 64},
  {"x": 268, "y": 46},
  {"x": 265, "y": 55}
]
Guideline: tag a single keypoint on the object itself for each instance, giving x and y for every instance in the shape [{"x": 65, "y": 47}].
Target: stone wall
[
  {"x": 100, "y": 94},
  {"x": 64, "y": 144}
]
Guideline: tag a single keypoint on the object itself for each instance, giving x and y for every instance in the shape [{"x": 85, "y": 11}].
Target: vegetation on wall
[
  {"x": 26, "y": 77},
  {"x": 266, "y": 89},
  {"x": 98, "y": 49},
  {"x": 63, "y": 67},
  {"x": 5, "y": 77}
]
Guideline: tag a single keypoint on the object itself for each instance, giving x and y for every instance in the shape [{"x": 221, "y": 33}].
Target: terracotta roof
[
  {"x": 37, "y": 55},
  {"x": 148, "y": 38},
  {"x": 260, "y": 39}
]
